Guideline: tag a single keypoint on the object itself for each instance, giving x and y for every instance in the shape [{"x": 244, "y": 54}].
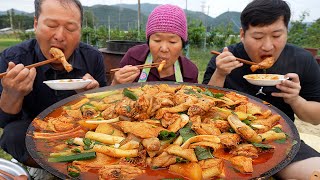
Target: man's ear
[
  {"x": 35, "y": 23},
  {"x": 242, "y": 34}
]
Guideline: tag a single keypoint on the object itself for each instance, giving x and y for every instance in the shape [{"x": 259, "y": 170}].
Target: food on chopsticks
[
  {"x": 172, "y": 128},
  {"x": 163, "y": 62},
  {"x": 264, "y": 64},
  {"x": 55, "y": 52}
]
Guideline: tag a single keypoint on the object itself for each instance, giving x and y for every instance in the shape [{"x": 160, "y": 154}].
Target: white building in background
[
  {"x": 29, "y": 30},
  {"x": 7, "y": 30}
]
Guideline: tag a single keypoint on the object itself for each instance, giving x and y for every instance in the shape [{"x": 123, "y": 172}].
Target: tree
[
  {"x": 222, "y": 36},
  {"x": 313, "y": 35},
  {"x": 303, "y": 35},
  {"x": 297, "y": 32},
  {"x": 196, "y": 32},
  {"x": 89, "y": 20}
]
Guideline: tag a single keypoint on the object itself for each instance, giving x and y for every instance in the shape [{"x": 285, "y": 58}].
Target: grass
[
  {"x": 201, "y": 58},
  {"x": 3, "y": 154},
  {"x": 7, "y": 42}
]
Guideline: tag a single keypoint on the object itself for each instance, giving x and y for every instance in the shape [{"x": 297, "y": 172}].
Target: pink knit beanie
[{"x": 167, "y": 18}]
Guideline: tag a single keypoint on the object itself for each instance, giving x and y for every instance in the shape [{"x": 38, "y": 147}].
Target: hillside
[
  {"x": 126, "y": 15},
  {"x": 225, "y": 18}
]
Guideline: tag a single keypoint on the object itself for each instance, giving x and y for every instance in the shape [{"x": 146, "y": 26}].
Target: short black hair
[
  {"x": 38, "y": 3},
  {"x": 264, "y": 12}
]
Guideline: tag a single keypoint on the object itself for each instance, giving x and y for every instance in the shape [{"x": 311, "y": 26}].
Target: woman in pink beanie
[{"x": 167, "y": 34}]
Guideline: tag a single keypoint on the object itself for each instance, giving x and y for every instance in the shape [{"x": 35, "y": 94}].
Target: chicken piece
[
  {"x": 218, "y": 113},
  {"x": 61, "y": 124},
  {"x": 168, "y": 89},
  {"x": 263, "y": 125},
  {"x": 179, "y": 123},
  {"x": 41, "y": 125},
  {"x": 125, "y": 107},
  {"x": 243, "y": 130},
  {"x": 74, "y": 113},
  {"x": 222, "y": 125},
  {"x": 195, "y": 119},
  {"x": 243, "y": 164},
  {"x": 151, "y": 144},
  {"x": 205, "y": 129},
  {"x": 169, "y": 118},
  {"x": 143, "y": 107},
  {"x": 181, "y": 96},
  {"x": 139, "y": 161},
  {"x": 229, "y": 139},
  {"x": 163, "y": 160},
  {"x": 55, "y": 52},
  {"x": 177, "y": 150},
  {"x": 149, "y": 89},
  {"x": 237, "y": 97},
  {"x": 164, "y": 99},
  {"x": 109, "y": 112},
  {"x": 176, "y": 109},
  {"x": 140, "y": 129},
  {"x": 96, "y": 163},
  {"x": 264, "y": 64},
  {"x": 119, "y": 172},
  {"x": 247, "y": 150},
  {"x": 253, "y": 109},
  {"x": 201, "y": 107},
  {"x": 241, "y": 108}
]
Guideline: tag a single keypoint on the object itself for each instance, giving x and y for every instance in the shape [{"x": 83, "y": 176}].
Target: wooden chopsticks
[
  {"x": 142, "y": 66},
  {"x": 238, "y": 59},
  {"x": 35, "y": 65}
]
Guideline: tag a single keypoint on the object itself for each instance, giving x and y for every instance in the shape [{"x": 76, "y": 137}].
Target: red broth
[{"x": 262, "y": 164}]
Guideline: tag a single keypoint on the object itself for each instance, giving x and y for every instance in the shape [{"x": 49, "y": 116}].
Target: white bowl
[
  {"x": 264, "y": 79},
  {"x": 67, "y": 84}
]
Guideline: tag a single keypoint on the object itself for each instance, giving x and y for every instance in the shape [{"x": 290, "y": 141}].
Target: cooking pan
[{"x": 42, "y": 161}]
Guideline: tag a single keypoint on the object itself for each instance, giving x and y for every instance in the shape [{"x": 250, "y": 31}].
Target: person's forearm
[
  {"x": 307, "y": 111},
  {"x": 9, "y": 104},
  {"x": 217, "y": 80}
]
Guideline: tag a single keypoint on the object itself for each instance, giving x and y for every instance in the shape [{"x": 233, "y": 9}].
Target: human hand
[
  {"x": 93, "y": 84},
  {"x": 226, "y": 62},
  {"x": 16, "y": 85},
  {"x": 290, "y": 89},
  {"x": 127, "y": 74},
  {"x": 19, "y": 80}
]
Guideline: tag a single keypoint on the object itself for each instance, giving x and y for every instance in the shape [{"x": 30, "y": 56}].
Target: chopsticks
[
  {"x": 35, "y": 65},
  {"x": 142, "y": 66},
  {"x": 238, "y": 59}
]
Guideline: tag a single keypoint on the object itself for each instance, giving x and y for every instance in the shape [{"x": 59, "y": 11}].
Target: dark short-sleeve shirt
[
  {"x": 85, "y": 59},
  {"x": 292, "y": 60},
  {"x": 137, "y": 55}
]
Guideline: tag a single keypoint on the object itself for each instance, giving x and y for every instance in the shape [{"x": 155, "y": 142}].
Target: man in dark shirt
[
  {"x": 264, "y": 34},
  {"x": 23, "y": 94}
]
